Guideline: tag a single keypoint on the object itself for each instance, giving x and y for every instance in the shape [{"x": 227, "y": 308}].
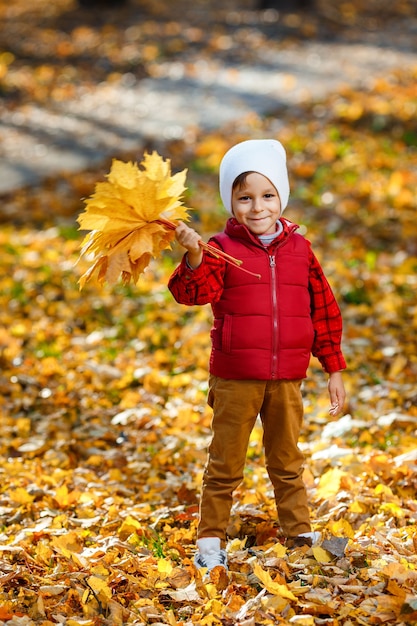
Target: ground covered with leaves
[{"x": 102, "y": 400}]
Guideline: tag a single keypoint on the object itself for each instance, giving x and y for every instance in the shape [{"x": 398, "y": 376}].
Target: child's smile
[{"x": 256, "y": 204}]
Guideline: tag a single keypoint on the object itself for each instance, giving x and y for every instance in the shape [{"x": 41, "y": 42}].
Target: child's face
[{"x": 256, "y": 204}]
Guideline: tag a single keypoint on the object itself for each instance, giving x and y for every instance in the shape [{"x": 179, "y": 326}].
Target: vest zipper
[{"x": 274, "y": 363}]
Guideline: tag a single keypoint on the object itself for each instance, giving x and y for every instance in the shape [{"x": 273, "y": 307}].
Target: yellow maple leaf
[
  {"x": 43, "y": 553},
  {"x": 270, "y": 585},
  {"x": 67, "y": 544},
  {"x": 64, "y": 498},
  {"x": 131, "y": 218},
  {"x": 164, "y": 567},
  {"x": 129, "y": 526},
  {"x": 342, "y": 528},
  {"x": 21, "y": 496},
  {"x": 279, "y": 550},
  {"x": 356, "y": 507},
  {"x": 321, "y": 555},
  {"x": 100, "y": 588},
  {"x": 329, "y": 484},
  {"x": 393, "y": 509}
]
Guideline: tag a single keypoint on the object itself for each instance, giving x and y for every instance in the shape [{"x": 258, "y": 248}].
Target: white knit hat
[{"x": 264, "y": 156}]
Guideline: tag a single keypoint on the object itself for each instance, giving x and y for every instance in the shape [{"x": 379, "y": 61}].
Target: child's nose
[{"x": 257, "y": 205}]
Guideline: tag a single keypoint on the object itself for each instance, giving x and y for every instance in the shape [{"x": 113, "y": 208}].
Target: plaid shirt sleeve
[
  {"x": 327, "y": 320},
  {"x": 202, "y": 285}
]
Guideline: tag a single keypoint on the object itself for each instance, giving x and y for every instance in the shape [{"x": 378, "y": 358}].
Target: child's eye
[{"x": 269, "y": 195}]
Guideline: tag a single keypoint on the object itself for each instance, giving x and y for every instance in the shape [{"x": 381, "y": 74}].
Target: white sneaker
[
  {"x": 210, "y": 554},
  {"x": 314, "y": 535}
]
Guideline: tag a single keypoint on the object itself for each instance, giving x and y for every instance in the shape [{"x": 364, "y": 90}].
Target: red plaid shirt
[{"x": 204, "y": 285}]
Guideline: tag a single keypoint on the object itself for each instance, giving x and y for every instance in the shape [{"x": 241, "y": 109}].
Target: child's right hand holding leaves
[{"x": 189, "y": 239}]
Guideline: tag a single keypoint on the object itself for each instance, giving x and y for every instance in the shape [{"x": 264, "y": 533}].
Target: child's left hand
[{"x": 336, "y": 392}]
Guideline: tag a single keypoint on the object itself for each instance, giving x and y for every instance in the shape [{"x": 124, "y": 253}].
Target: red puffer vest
[{"x": 262, "y": 328}]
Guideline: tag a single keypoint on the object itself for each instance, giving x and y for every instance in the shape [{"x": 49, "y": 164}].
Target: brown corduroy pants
[{"x": 236, "y": 405}]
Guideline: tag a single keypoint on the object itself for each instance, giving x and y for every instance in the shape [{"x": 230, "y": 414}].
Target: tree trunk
[
  {"x": 285, "y": 5},
  {"x": 96, "y": 4}
]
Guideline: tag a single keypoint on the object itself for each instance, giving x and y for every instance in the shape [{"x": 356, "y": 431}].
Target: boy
[{"x": 263, "y": 334}]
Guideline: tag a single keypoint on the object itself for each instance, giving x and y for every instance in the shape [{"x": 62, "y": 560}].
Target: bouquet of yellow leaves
[{"x": 130, "y": 219}]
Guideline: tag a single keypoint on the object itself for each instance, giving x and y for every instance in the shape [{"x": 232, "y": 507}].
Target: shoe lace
[{"x": 213, "y": 558}]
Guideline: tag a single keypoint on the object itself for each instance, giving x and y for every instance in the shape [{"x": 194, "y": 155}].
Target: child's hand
[
  {"x": 334, "y": 410},
  {"x": 336, "y": 392},
  {"x": 190, "y": 240},
  {"x": 187, "y": 237}
]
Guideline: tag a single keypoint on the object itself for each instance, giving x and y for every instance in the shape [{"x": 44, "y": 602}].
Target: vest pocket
[
  {"x": 227, "y": 334},
  {"x": 221, "y": 334}
]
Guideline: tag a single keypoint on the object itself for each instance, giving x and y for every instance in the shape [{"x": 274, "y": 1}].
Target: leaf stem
[{"x": 217, "y": 252}]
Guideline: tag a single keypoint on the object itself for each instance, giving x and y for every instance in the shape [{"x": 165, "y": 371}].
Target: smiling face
[{"x": 256, "y": 204}]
